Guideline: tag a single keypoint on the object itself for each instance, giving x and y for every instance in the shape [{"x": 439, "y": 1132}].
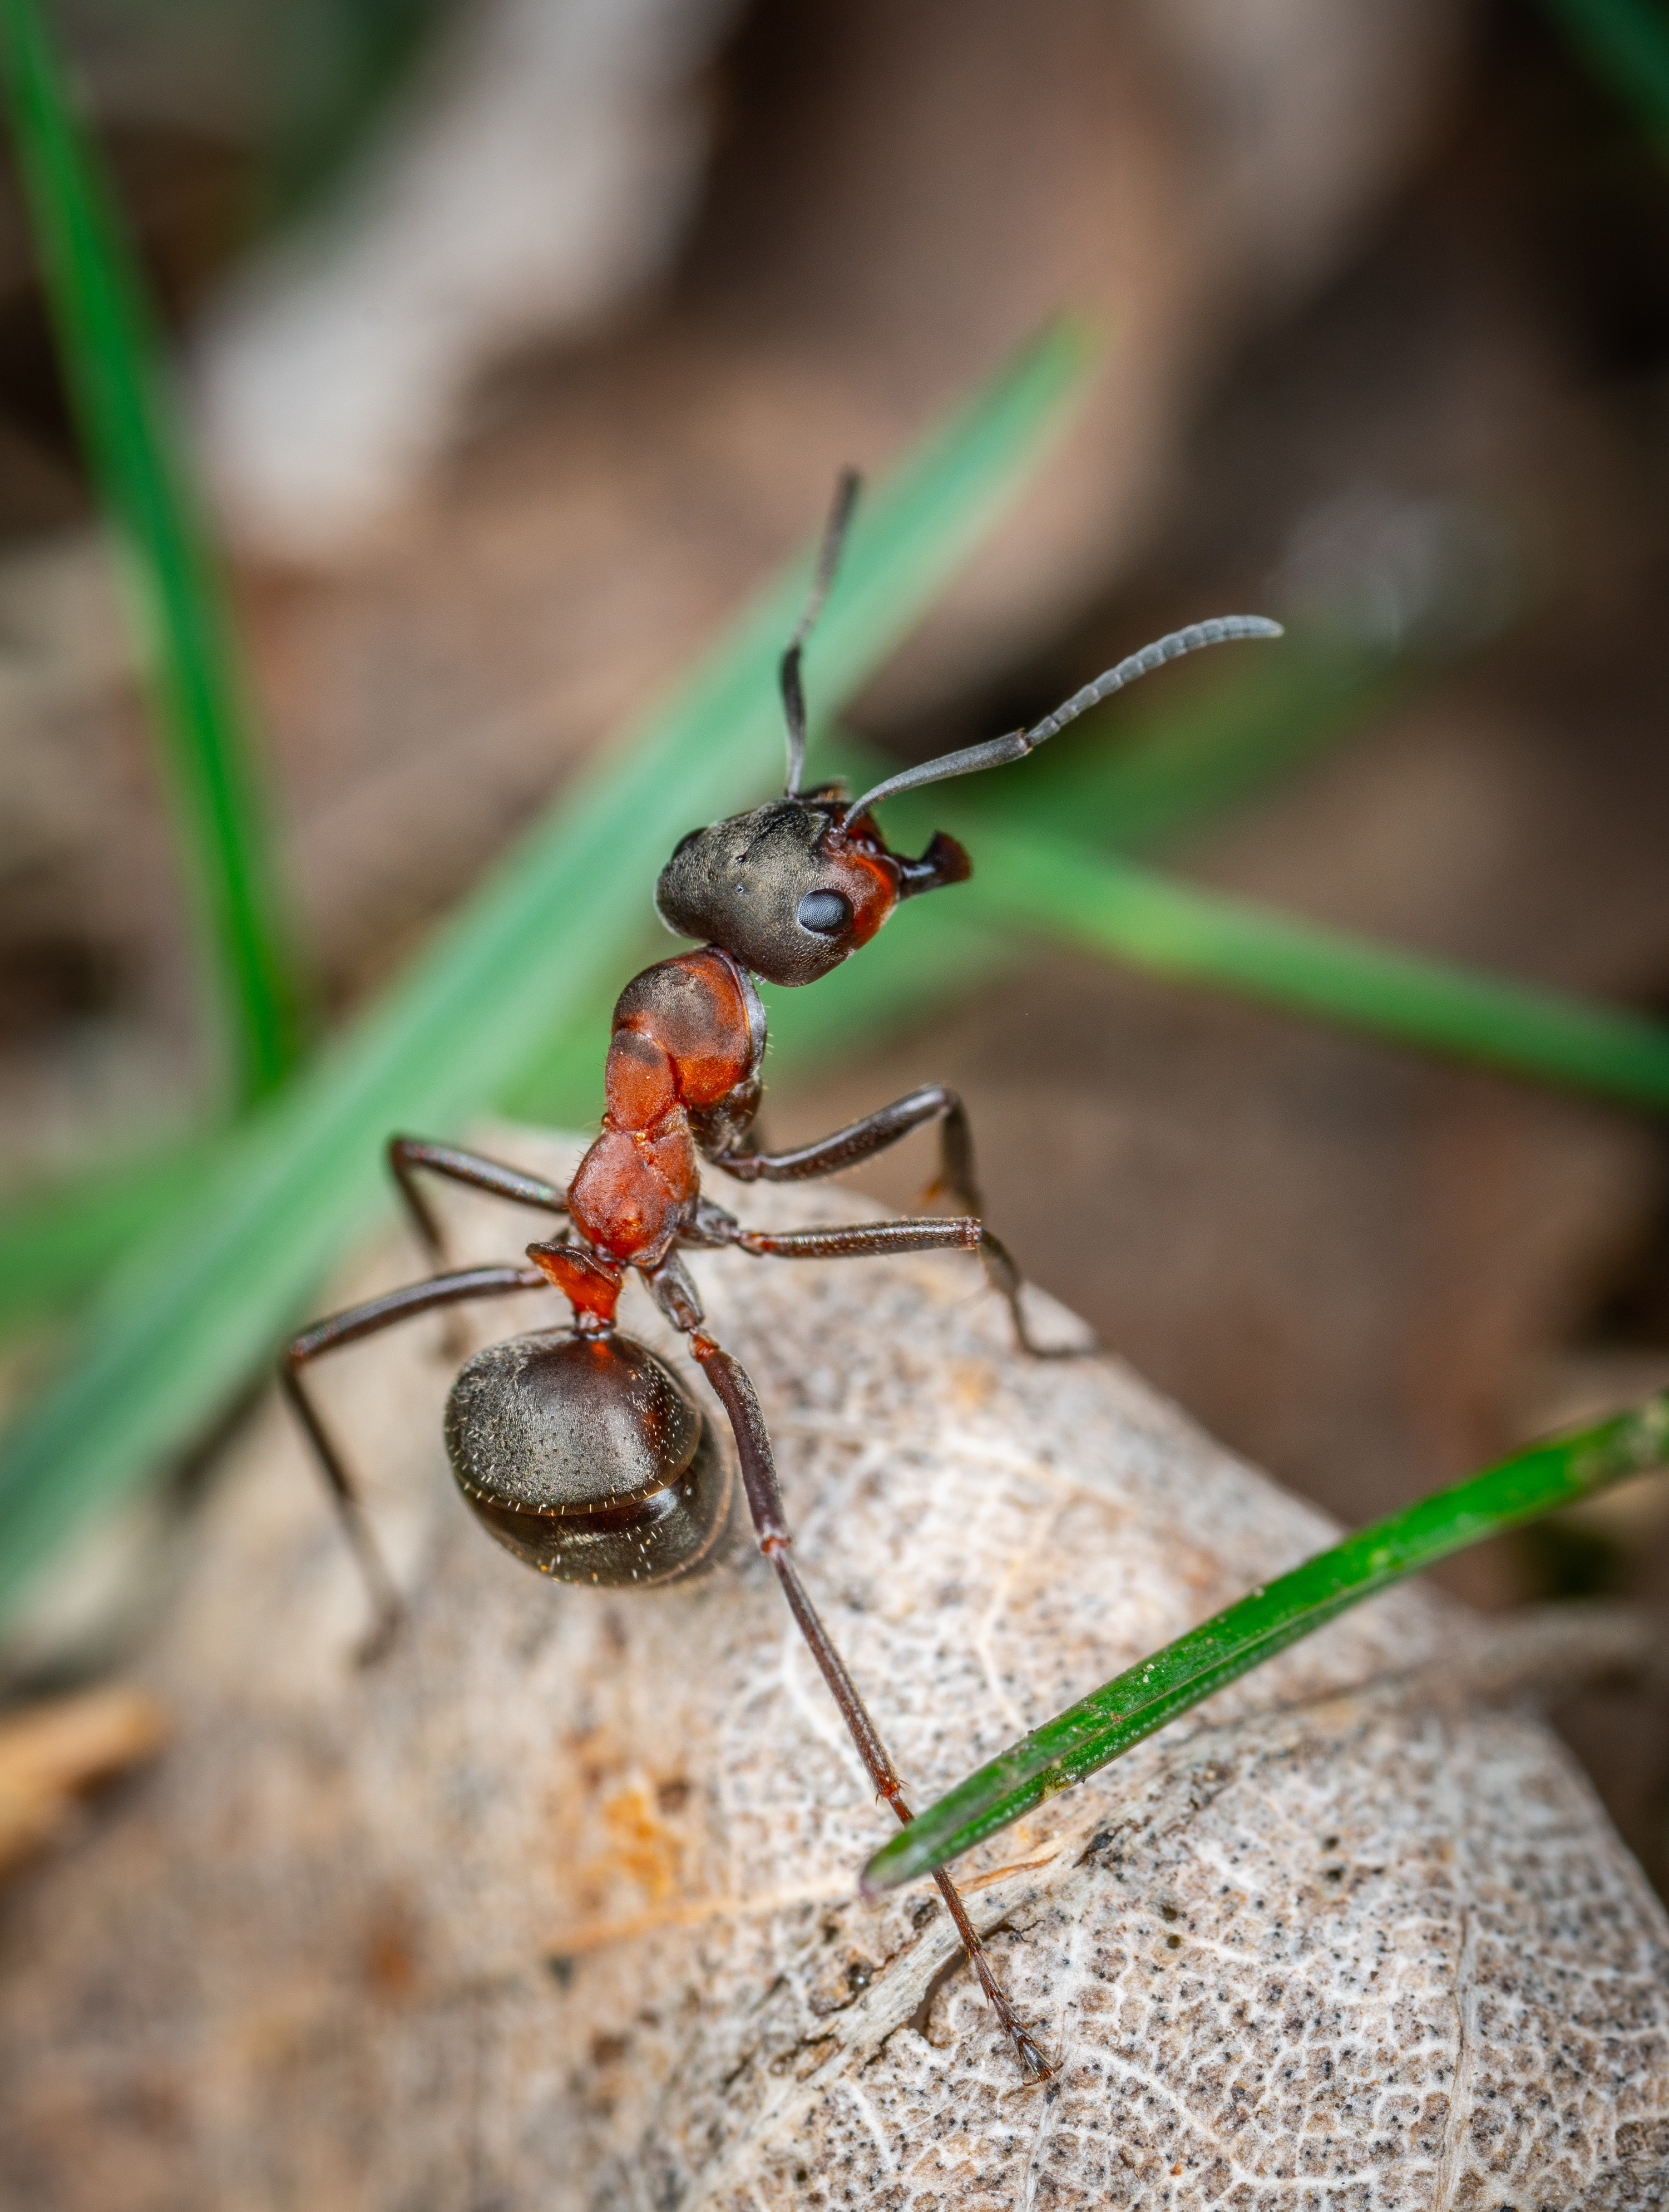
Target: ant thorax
[{"x": 683, "y": 1060}]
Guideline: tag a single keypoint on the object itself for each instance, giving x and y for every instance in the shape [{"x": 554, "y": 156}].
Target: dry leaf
[
  {"x": 554, "y": 1907},
  {"x": 50, "y": 1752}
]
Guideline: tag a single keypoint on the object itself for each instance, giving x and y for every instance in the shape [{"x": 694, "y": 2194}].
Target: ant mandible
[{"x": 578, "y": 1449}]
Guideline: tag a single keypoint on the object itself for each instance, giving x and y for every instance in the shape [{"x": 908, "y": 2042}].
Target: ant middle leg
[
  {"x": 348, "y": 1327},
  {"x": 938, "y": 1233},
  {"x": 862, "y": 1139},
  {"x": 406, "y": 1155},
  {"x": 675, "y": 1295}
]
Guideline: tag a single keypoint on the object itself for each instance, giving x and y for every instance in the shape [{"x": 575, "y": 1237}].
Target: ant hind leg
[
  {"x": 348, "y": 1327},
  {"x": 735, "y": 1391}
]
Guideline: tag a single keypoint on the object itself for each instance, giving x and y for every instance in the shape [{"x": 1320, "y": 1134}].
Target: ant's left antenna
[
  {"x": 1221, "y": 629},
  {"x": 828, "y": 558}
]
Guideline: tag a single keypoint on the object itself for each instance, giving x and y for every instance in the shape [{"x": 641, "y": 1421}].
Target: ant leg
[
  {"x": 348, "y": 1327},
  {"x": 867, "y": 1239},
  {"x": 670, "y": 1286},
  {"x": 735, "y": 1393},
  {"x": 861, "y": 1140},
  {"x": 407, "y": 1154}
]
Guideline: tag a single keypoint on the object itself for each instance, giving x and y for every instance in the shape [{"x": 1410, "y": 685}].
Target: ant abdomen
[{"x": 583, "y": 1455}]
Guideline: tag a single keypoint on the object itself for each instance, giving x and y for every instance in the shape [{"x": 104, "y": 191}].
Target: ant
[{"x": 577, "y": 1448}]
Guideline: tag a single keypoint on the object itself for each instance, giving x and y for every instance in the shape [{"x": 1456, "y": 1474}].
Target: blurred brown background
[{"x": 523, "y": 340}]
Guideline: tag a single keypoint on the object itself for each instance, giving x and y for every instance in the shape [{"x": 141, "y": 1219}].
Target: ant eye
[
  {"x": 827, "y": 912},
  {"x": 685, "y": 842}
]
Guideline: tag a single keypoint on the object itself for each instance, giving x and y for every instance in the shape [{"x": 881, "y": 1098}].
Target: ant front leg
[
  {"x": 861, "y": 1140},
  {"x": 675, "y": 1295},
  {"x": 406, "y": 1154},
  {"x": 348, "y": 1327}
]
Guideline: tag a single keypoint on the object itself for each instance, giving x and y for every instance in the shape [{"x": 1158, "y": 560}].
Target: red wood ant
[{"x": 578, "y": 1449}]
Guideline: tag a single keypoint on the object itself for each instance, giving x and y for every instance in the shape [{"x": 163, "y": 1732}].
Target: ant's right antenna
[
  {"x": 793, "y": 698},
  {"x": 1221, "y": 629}
]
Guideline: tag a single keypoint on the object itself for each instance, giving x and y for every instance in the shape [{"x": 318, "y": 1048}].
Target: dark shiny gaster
[{"x": 584, "y": 1456}]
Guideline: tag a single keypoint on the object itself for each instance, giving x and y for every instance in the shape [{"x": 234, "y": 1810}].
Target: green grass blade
[
  {"x": 1177, "y": 771},
  {"x": 1223, "y": 737},
  {"x": 924, "y": 960},
  {"x": 194, "y": 1312},
  {"x": 1627, "y": 43},
  {"x": 333, "y": 67},
  {"x": 1202, "y": 740},
  {"x": 561, "y": 1086},
  {"x": 54, "y": 1242},
  {"x": 1173, "y": 929},
  {"x": 1217, "y": 737},
  {"x": 1142, "y": 1699},
  {"x": 202, "y": 715}
]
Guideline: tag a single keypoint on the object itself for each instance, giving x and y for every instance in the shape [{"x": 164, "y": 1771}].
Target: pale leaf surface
[{"x": 554, "y": 1907}]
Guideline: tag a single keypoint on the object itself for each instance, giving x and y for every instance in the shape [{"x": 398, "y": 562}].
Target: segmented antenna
[
  {"x": 828, "y": 557},
  {"x": 1221, "y": 629}
]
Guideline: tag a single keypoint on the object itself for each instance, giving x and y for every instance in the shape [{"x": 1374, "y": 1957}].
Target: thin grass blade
[
  {"x": 1063, "y": 884},
  {"x": 197, "y": 1310},
  {"x": 1627, "y": 43},
  {"x": 202, "y": 713},
  {"x": 1172, "y": 774},
  {"x": 1142, "y": 1699},
  {"x": 1217, "y": 731},
  {"x": 1170, "y": 928},
  {"x": 1221, "y": 736},
  {"x": 54, "y": 1241},
  {"x": 1224, "y": 738}
]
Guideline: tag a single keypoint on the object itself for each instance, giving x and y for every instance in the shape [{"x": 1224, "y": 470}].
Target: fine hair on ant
[{"x": 578, "y": 1449}]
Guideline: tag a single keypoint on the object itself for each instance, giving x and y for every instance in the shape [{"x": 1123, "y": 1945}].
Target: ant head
[{"x": 793, "y": 887}]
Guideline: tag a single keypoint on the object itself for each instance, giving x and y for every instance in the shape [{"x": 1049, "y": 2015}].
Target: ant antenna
[
  {"x": 1221, "y": 629},
  {"x": 793, "y": 698}
]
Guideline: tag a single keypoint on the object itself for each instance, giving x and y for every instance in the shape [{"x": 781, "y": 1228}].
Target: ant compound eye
[
  {"x": 827, "y": 913},
  {"x": 685, "y": 842}
]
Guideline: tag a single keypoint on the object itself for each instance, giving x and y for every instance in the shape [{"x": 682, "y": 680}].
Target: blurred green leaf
[
  {"x": 335, "y": 65},
  {"x": 1039, "y": 836},
  {"x": 925, "y": 959},
  {"x": 1207, "y": 741},
  {"x": 202, "y": 715},
  {"x": 1222, "y": 741},
  {"x": 196, "y": 1310},
  {"x": 1170, "y": 928},
  {"x": 562, "y": 1084},
  {"x": 1213, "y": 737},
  {"x": 1130, "y": 775},
  {"x": 1142, "y": 1699},
  {"x": 1626, "y": 42},
  {"x": 1210, "y": 735},
  {"x": 54, "y": 1241}
]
